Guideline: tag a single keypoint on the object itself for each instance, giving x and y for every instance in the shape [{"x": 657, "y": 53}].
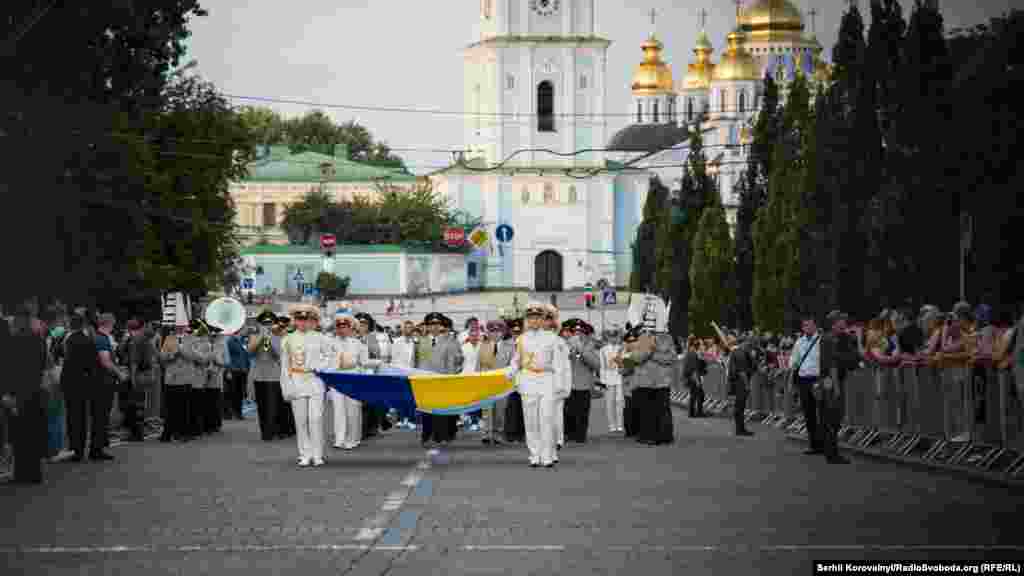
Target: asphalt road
[{"x": 709, "y": 504}]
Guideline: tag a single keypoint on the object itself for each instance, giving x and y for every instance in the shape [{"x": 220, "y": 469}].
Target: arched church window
[
  {"x": 656, "y": 111},
  {"x": 722, "y": 97},
  {"x": 510, "y": 82},
  {"x": 545, "y": 107},
  {"x": 583, "y": 81},
  {"x": 639, "y": 112},
  {"x": 689, "y": 108},
  {"x": 525, "y": 195},
  {"x": 743, "y": 102},
  {"x": 549, "y": 193},
  {"x": 572, "y": 195}
]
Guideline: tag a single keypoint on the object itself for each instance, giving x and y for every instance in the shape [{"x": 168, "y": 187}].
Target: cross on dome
[
  {"x": 739, "y": 8},
  {"x": 703, "y": 18},
  {"x": 812, "y": 13}
]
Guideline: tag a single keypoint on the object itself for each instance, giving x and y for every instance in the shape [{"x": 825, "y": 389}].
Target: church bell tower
[{"x": 535, "y": 78}]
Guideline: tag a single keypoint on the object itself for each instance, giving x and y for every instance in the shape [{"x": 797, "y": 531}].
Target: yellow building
[{"x": 278, "y": 179}]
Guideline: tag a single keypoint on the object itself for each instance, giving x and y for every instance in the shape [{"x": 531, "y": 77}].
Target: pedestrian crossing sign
[{"x": 608, "y": 298}]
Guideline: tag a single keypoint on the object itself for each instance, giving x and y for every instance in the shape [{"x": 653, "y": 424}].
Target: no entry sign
[{"x": 454, "y": 236}]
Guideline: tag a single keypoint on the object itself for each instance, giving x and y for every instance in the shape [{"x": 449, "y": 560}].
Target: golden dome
[
  {"x": 652, "y": 76},
  {"x": 771, "y": 15},
  {"x": 699, "y": 73},
  {"x": 736, "y": 63}
]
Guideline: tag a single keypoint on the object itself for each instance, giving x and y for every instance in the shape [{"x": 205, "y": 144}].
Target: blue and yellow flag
[{"x": 409, "y": 390}]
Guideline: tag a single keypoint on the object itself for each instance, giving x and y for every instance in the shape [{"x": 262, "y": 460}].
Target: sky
[{"x": 408, "y": 54}]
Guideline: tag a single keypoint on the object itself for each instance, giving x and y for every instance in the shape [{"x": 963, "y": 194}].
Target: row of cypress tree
[{"x": 855, "y": 192}]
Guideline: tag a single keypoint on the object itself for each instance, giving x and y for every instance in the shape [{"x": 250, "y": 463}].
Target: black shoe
[
  {"x": 534, "y": 465},
  {"x": 100, "y": 456},
  {"x": 837, "y": 460},
  {"x": 744, "y": 433},
  {"x": 812, "y": 451},
  {"x": 77, "y": 457},
  {"x": 485, "y": 440},
  {"x": 552, "y": 465}
]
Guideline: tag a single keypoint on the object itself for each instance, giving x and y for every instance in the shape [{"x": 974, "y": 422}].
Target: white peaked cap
[{"x": 535, "y": 305}]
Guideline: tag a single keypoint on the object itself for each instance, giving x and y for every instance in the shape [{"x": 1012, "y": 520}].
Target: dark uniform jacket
[
  {"x": 839, "y": 353},
  {"x": 81, "y": 368}
]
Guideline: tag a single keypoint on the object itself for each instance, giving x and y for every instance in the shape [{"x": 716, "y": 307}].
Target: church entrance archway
[{"x": 547, "y": 272}]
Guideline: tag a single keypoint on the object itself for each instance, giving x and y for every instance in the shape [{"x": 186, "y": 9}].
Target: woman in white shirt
[{"x": 471, "y": 365}]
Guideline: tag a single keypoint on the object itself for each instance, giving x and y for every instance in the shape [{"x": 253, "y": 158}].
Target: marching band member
[
  {"x": 265, "y": 374},
  {"x": 403, "y": 354},
  {"x": 611, "y": 361},
  {"x": 538, "y": 363},
  {"x": 439, "y": 352},
  {"x": 563, "y": 381},
  {"x": 351, "y": 356},
  {"x": 491, "y": 358},
  {"x": 178, "y": 357},
  {"x": 220, "y": 359},
  {"x": 514, "y": 429},
  {"x": 585, "y": 363},
  {"x": 303, "y": 354},
  {"x": 285, "y": 416}
]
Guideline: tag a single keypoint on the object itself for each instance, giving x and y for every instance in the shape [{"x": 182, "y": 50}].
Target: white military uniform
[
  {"x": 614, "y": 402},
  {"x": 563, "y": 388},
  {"x": 537, "y": 364},
  {"x": 302, "y": 354},
  {"x": 350, "y": 355}
]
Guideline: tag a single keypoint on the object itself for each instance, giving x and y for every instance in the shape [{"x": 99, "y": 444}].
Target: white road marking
[
  {"x": 369, "y": 533},
  {"x": 221, "y": 549},
  {"x": 496, "y": 548}
]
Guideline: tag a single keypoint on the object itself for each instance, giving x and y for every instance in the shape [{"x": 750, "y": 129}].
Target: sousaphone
[{"x": 226, "y": 314}]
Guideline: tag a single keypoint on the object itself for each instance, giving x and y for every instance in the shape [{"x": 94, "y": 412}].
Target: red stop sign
[
  {"x": 454, "y": 236},
  {"x": 328, "y": 241}
]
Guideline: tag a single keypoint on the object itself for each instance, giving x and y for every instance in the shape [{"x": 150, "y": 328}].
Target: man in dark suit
[
  {"x": 440, "y": 353},
  {"x": 78, "y": 381},
  {"x": 839, "y": 356}
]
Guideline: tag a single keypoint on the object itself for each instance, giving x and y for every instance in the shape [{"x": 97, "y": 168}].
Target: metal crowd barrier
[{"x": 969, "y": 418}]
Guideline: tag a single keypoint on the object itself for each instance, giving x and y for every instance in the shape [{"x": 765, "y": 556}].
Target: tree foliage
[
  {"x": 711, "y": 271},
  {"x": 398, "y": 216},
  {"x": 123, "y": 162},
  {"x": 316, "y": 131}
]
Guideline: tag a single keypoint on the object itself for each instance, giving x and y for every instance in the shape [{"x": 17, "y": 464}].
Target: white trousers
[
  {"x": 309, "y": 426},
  {"x": 614, "y": 404},
  {"x": 539, "y": 419},
  {"x": 348, "y": 419},
  {"x": 559, "y": 420}
]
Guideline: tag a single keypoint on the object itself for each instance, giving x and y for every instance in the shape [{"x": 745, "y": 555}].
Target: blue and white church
[{"x": 540, "y": 159}]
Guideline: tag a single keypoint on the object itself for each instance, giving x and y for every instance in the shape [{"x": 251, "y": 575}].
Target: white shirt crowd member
[
  {"x": 470, "y": 357},
  {"x": 614, "y": 401},
  {"x": 350, "y": 355},
  {"x": 563, "y": 382},
  {"x": 537, "y": 365},
  {"x": 403, "y": 349},
  {"x": 303, "y": 354}
]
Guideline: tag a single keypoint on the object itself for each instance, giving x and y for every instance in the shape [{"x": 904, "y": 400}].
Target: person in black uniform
[
  {"x": 24, "y": 396},
  {"x": 741, "y": 370},
  {"x": 515, "y": 428},
  {"x": 80, "y": 370},
  {"x": 839, "y": 356}
]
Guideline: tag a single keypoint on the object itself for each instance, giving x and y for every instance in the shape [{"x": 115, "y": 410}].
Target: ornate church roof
[
  {"x": 652, "y": 76},
  {"x": 736, "y": 63},
  {"x": 771, "y": 19},
  {"x": 648, "y": 137},
  {"x": 699, "y": 73}
]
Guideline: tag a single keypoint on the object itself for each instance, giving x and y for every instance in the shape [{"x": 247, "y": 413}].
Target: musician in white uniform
[
  {"x": 537, "y": 363},
  {"x": 611, "y": 363},
  {"x": 350, "y": 355},
  {"x": 303, "y": 353},
  {"x": 563, "y": 382}
]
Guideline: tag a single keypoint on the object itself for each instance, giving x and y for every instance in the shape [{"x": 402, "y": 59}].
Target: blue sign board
[
  {"x": 608, "y": 298},
  {"x": 504, "y": 233}
]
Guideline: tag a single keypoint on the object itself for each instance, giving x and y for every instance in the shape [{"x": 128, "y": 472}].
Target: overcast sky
[{"x": 407, "y": 54}]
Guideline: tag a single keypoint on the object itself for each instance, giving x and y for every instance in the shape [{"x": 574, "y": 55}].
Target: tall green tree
[
  {"x": 645, "y": 263},
  {"x": 711, "y": 271},
  {"x": 752, "y": 190}
]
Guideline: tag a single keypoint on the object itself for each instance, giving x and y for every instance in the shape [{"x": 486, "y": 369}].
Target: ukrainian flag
[{"x": 410, "y": 390}]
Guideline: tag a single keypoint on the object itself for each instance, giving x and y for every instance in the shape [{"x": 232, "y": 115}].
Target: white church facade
[{"x": 535, "y": 84}]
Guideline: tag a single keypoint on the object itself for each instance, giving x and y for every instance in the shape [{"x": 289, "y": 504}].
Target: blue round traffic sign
[{"x": 504, "y": 233}]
